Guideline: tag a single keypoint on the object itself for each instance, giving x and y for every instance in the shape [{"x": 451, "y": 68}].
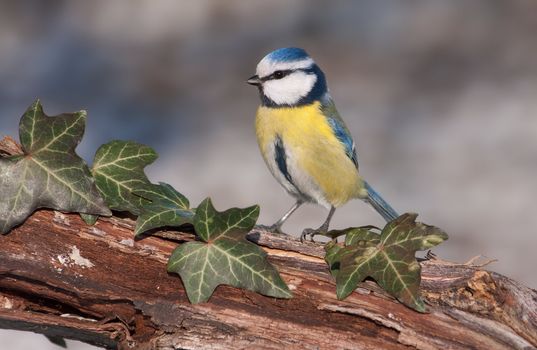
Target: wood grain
[{"x": 97, "y": 284}]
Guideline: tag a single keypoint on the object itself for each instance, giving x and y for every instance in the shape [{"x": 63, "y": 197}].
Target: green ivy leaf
[
  {"x": 364, "y": 233},
  {"x": 89, "y": 219},
  {"x": 167, "y": 207},
  {"x": 49, "y": 173},
  {"x": 331, "y": 257},
  {"x": 225, "y": 256},
  {"x": 388, "y": 257},
  {"x": 118, "y": 169}
]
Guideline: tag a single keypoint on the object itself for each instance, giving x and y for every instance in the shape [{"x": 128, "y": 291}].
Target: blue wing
[{"x": 340, "y": 130}]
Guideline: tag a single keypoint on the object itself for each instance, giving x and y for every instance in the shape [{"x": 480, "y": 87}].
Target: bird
[{"x": 303, "y": 139}]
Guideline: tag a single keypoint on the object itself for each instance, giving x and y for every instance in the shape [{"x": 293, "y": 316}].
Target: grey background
[{"x": 439, "y": 95}]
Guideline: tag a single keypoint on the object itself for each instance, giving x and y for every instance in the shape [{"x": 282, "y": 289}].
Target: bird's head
[{"x": 288, "y": 77}]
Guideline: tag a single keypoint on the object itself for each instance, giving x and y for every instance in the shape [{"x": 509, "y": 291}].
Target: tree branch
[{"x": 96, "y": 284}]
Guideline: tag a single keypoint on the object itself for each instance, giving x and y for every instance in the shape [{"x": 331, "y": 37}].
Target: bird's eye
[{"x": 278, "y": 74}]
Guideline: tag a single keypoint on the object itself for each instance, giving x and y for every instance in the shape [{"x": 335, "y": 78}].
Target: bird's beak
[{"x": 254, "y": 80}]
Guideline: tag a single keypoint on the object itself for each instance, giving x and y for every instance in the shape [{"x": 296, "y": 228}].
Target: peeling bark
[{"x": 97, "y": 284}]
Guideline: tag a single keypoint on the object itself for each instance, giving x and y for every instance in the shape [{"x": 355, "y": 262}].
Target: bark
[{"x": 96, "y": 284}]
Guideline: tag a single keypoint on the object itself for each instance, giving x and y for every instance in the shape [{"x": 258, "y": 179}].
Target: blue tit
[{"x": 304, "y": 141}]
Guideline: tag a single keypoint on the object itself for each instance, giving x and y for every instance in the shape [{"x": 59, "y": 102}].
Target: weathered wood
[{"x": 97, "y": 284}]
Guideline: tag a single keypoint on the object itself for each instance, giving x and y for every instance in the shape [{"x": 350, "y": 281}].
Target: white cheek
[{"x": 290, "y": 89}]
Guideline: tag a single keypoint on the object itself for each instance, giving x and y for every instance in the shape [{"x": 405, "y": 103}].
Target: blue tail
[{"x": 380, "y": 205}]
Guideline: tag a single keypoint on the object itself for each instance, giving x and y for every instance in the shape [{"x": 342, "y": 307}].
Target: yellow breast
[{"x": 318, "y": 162}]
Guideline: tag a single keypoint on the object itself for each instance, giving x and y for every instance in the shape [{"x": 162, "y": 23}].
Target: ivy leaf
[
  {"x": 167, "y": 207},
  {"x": 118, "y": 169},
  {"x": 388, "y": 258},
  {"x": 364, "y": 233},
  {"x": 89, "y": 219},
  {"x": 363, "y": 236},
  {"x": 49, "y": 173},
  {"x": 225, "y": 256},
  {"x": 332, "y": 258}
]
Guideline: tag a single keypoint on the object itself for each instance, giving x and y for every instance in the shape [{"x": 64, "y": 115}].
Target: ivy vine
[{"x": 49, "y": 174}]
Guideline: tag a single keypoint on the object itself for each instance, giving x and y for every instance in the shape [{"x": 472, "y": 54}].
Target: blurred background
[{"x": 441, "y": 97}]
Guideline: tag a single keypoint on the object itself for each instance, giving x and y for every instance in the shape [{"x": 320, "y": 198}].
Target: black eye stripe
[{"x": 279, "y": 74}]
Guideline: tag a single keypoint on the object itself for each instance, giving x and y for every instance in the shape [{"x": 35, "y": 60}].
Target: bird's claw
[{"x": 308, "y": 232}]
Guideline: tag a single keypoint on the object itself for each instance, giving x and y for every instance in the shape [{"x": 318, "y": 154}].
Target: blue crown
[{"x": 288, "y": 54}]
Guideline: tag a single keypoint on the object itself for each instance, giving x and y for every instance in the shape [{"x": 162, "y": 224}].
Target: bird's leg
[
  {"x": 321, "y": 230},
  {"x": 276, "y": 227}
]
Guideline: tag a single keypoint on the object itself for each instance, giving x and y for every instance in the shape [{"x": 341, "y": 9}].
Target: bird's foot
[{"x": 312, "y": 233}]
